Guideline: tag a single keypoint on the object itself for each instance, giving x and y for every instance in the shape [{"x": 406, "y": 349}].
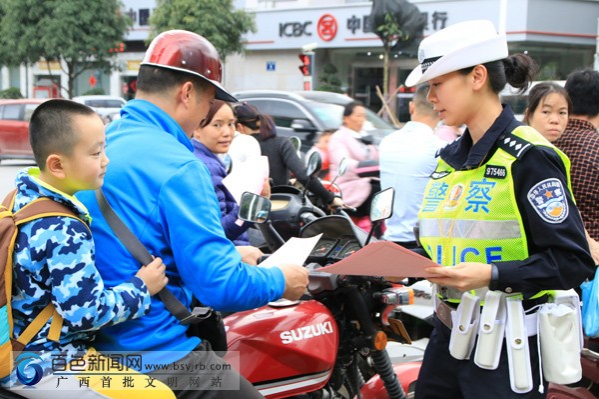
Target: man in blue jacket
[{"x": 164, "y": 194}]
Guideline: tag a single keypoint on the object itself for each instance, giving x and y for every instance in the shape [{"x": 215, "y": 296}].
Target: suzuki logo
[{"x": 307, "y": 332}]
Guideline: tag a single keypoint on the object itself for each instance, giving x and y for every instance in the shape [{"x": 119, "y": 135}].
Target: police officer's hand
[
  {"x": 296, "y": 281},
  {"x": 463, "y": 276},
  {"x": 153, "y": 275},
  {"x": 250, "y": 255}
]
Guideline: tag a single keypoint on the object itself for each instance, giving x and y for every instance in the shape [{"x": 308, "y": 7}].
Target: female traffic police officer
[{"x": 498, "y": 208}]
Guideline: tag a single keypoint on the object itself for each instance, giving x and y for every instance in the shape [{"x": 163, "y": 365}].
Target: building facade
[{"x": 560, "y": 34}]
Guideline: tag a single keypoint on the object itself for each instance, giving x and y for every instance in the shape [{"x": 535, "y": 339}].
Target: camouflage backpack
[{"x": 9, "y": 225}]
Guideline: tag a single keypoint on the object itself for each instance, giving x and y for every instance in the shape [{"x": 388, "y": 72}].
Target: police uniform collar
[{"x": 461, "y": 154}]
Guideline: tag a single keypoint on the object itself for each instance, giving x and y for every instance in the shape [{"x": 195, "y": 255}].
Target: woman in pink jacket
[{"x": 346, "y": 143}]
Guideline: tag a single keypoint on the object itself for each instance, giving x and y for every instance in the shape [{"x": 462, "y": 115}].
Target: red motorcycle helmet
[{"x": 185, "y": 51}]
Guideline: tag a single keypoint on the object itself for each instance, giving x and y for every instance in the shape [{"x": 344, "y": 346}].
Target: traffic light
[{"x": 306, "y": 67}]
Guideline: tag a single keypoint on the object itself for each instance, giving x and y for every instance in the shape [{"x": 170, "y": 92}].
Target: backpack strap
[
  {"x": 44, "y": 207},
  {"x": 39, "y": 208},
  {"x": 36, "y": 325}
]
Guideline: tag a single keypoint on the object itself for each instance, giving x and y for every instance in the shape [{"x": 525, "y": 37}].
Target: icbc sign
[
  {"x": 327, "y": 27},
  {"x": 294, "y": 29}
]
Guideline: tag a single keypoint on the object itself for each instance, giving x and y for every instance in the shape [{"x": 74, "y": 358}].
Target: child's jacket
[{"x": 54, "y": 261}]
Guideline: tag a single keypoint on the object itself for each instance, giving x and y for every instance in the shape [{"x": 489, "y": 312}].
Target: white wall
[{"x": 249, "y": 72}]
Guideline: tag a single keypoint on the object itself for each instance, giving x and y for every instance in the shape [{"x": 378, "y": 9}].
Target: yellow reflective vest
[{"x": 472, "y": 215}]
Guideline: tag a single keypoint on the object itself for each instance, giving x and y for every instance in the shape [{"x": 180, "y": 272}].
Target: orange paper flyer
[{"x": 385, "y": 259}]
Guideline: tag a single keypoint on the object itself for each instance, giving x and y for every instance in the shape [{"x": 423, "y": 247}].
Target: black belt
[
  {"x": 444, "y": 308},
  {"x": 527, "y": 304}
]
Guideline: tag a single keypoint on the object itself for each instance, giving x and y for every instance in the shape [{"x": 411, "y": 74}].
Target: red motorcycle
[{"x": 327, "y": 344}]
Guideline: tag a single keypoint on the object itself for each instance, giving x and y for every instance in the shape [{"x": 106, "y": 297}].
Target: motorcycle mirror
[
  {"x": 381, "y": 208},
  {"x": 253, "y": 208},
  {"x": 256, "y": 209},
  {"x": 382, "y": 205},
  {"x": 314, "y": 164},
  {"x": 296, "y": 142},
  {"x": 343, "y": 165},
  {"x": 341, "y": 169}
]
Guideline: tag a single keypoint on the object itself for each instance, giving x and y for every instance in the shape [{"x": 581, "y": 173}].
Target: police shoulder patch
[{"x": 548, "y": 198}]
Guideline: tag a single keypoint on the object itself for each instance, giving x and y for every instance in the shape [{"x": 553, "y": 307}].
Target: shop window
[{"x": 144, "y": 16}]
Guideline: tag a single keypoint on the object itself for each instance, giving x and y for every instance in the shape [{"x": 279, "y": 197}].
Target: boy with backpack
[{"x": 53, "y": 256}]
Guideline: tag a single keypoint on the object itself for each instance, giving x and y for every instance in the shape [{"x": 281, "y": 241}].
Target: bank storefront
[{"x": 559, "y": 34}]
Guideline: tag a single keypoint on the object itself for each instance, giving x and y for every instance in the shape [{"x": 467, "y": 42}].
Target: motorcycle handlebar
[
  {"x": 322, "y": 281},
  {"x": 308, "y": 217},
  {"x": 340, "y": 210}
]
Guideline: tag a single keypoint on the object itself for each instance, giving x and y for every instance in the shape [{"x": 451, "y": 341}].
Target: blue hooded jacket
[
  {"x": 54, "y": 262},
  {"x": 164, "y": 194}
]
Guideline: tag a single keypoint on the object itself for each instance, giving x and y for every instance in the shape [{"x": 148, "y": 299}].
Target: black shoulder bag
[{"x": 204, "y": 322}]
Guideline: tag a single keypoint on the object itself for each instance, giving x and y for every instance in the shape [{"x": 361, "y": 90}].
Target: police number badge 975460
[{"x": 548, "y": 198}]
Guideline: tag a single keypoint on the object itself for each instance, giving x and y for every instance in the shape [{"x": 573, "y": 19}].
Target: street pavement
[{"x": 8, "y": 172}]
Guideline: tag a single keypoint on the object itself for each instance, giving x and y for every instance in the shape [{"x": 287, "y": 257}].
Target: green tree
[
  {"x": 329, "y": 79},
  {"x": 11, "y": 92},
  {"x": 216, "y": 20},
  {"x": 79, "y": 34},
  {"x": 390, "y": 33},
  {"x": 399, "y": 24}
]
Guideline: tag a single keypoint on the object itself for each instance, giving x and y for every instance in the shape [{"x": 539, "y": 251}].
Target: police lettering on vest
[{"x": 472, "y": 215}]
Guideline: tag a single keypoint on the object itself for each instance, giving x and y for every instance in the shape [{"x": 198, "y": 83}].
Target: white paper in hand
[{"x": 294, "y": 251}]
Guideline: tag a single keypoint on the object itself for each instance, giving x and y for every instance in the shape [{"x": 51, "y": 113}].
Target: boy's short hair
[
  {"x": 156, "y": 80},
  {"x": 51, "y": 128}
]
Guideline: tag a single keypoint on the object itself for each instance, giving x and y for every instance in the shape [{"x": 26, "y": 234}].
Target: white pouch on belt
[
  {"x": 491, "y": 331},
  {"x": 516, "y": 339},
  {"x": 560, "y": 336},
  {"x": 465, "y": 323},
  {"x": 571, "y": 298}
]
